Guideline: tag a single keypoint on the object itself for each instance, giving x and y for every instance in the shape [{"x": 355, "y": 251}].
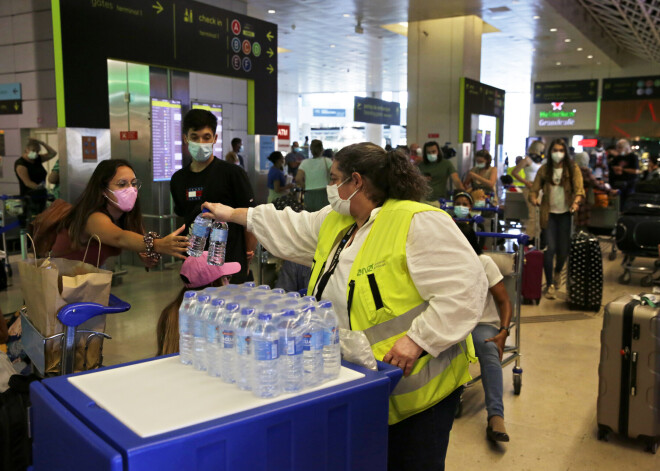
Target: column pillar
[
  {"x": 374, "y": 132},
  {"x": 440, "y": 52}
]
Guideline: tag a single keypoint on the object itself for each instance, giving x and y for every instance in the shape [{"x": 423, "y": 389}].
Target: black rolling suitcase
[
  {"x": 638, "y": 233},
  {"x": 585, "y": 273},
  {"x": 629, "y": 370},
  {"x": 15, "y": 443}
]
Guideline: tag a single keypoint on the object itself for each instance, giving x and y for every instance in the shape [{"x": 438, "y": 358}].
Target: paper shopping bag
[{"x": 49, "y": 284}]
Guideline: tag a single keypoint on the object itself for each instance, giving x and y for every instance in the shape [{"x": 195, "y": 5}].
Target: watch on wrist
[
  {"x": 507, "y": 330},
  {"x": 149, "y": 245}
]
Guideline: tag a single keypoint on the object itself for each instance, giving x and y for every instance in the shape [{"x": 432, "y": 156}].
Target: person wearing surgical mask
[
  {"x": 483, "y": 176},
  {"x": 440, "y": 170},
  {"x": 209, "y": 178},
  {"x": 381, "y": 255},
  {"x": 563, "y": 191},
  {"x": 31, "y": 176},
  {"x": 109, "y": 208}
]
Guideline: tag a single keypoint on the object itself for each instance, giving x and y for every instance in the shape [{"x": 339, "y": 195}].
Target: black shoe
[{"x": 494, "y": 436}]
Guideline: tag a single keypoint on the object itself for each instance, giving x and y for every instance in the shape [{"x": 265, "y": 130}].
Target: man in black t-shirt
[
  {"x": 208, "y": 178},
  {"x": 624, "y": 169}
]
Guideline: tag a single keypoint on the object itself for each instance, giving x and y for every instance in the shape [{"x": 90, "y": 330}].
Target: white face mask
[
  {"x": 557, "y": 157},
  {"x": 461, "y": 211},
  {"x": 339, "y": 205},
  {"x": 419, "y": 152},
  {"x": 480, "y": 165},
  {"x": 200, "y": 152},
  {"x": 32, "y": 155},
  {"x": 432, "y": 157}
]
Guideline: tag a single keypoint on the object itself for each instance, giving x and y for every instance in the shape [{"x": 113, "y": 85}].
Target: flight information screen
[
  {"x": 216, "y": 109},
  {"x": 165, "y": 138}
]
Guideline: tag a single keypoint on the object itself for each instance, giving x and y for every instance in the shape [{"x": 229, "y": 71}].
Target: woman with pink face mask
[{"x": 109, "y": 208}]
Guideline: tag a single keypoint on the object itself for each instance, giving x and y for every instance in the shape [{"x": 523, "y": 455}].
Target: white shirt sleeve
[
  {"x": 286, "y": 234},
  {"x": 493, "y": 274},
  {"x": 448, "y": 274}
]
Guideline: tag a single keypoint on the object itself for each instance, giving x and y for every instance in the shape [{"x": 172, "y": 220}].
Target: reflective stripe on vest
[
  {"x": 432, "y": 368},
  {"x": 401, "y": 323}
]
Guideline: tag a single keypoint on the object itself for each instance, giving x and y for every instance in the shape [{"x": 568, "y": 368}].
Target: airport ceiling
[{"x": 341, "y": 45}]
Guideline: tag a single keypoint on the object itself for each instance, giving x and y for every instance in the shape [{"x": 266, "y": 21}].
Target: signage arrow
[
  {"x": 270, "y": 52},
  {"x": 16, "y": 105},
  {"x": 270, "y": 68},
  {"x": 158, "y": 7},
  {"x": 269, "y": 36},
  {"x": 359, "y": 106}
]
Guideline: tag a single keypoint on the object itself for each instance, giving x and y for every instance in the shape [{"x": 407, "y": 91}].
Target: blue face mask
[
  {"x": 298, "y": 149},
  {"x": 461, "y": 212}
]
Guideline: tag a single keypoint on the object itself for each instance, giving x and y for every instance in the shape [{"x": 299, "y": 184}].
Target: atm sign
[{"x": 283, "y": 132}]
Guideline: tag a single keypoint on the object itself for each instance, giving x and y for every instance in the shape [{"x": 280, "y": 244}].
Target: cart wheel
[
  {"x": 517, "y": 384},
  {"x": 624, "y": 279},
  {"x": 612, "y": 256},
  {"x": 603, "y": 434},
  {"x": 652, "y": 446},
  {"x": 647, "y": 281}
]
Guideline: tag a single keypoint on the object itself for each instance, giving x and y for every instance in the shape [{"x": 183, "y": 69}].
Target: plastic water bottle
[
  {"x": 186, "y": 312},
  {"x": 250, "y": 284},
  {"x": 331, "y": 347},
  {"x": 264, "y": 287},
  {"x": 293, "y": 294},
  {"x": 312, "y": 347},
  {"x": 213, "y": 337},
  {"x": 309, "y": 300},
  {"x": 218, "y": 243},
  {"x": 244, "y": 331},
  {"x": 199, "y": 328},
  {"x": 228, "y": 324},
  {"x": 291, "y": 349},
  {"x": 279, "y": 291},
  {"x": 265, "y": 340},
  {"x": 199, "y": 233}
]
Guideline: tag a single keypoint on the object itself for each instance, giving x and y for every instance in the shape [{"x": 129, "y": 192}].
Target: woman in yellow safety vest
[{"x": 396, "y": 269}]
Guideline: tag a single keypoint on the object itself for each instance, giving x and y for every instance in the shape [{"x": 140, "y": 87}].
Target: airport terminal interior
[{"x": 114, "y": 79}]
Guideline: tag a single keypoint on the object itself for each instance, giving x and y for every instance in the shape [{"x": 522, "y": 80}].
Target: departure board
[
  {"x": 216, "y": 109},
  {"x": 165, "y": 138}
]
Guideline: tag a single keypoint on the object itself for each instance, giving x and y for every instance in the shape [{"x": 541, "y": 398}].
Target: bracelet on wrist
[{"x": 149, "y": 238}]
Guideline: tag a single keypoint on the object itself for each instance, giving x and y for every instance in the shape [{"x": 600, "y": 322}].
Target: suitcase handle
[{"x": 633, "y": 375}]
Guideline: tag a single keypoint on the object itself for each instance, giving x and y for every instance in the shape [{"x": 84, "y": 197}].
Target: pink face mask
[{"x": 125, "y": 198}]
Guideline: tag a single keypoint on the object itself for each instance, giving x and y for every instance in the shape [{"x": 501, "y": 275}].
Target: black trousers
[{"x": 419, "y": 443}]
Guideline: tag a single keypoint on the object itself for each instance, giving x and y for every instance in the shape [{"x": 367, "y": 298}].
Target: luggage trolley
[
  {"x": 511, "y": 265},
  {"x": 602, "y": 223},
  {"x": 72, "y": 316}
]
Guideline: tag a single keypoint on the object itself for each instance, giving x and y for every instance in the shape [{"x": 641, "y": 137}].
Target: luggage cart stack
[{"x": 602, "y": 223}]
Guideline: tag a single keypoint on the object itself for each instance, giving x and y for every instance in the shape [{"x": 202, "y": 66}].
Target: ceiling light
[
  {"x": 404, "y": 24},
  {"x": 567, "y": 40},
  {"x": 590, "y": 57},
  {"x": 346, "y": 15},
  {"x": 272, "y": 12},
  {"x": 332, "y": 45},
  {"x": 553, "y": 30},
  {"x": 579, "y": 49},
  {"x": 533, "y": 49},
  {"x": 537, "y": 17},
  {"x": 558, "y": 63}
]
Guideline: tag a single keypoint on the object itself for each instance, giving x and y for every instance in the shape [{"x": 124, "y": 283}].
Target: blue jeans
[
  {"x": 558, "y": 240},
  {"x": 491, "y": 368},
  {"x": 419, "y": 443}
]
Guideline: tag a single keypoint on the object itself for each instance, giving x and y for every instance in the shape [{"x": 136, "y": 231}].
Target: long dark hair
[
  {"x": 93, "y": 200},
  {"x": 567, "y": 162},
  {"x": 387, "y": 174}
]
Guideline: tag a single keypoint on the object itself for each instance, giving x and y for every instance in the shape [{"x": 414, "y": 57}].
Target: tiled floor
[{"x": 552, "y": 423}]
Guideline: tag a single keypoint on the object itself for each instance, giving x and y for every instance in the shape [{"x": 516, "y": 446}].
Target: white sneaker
[{"x": 551, "y": 292}]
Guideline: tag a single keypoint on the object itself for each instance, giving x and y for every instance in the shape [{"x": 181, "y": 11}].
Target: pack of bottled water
[
  {"x": 266, "y": 341},
  {"x": 216, "y": 232}
]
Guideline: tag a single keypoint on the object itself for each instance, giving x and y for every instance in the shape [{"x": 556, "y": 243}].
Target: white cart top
[{"x": 163, "y": 395}]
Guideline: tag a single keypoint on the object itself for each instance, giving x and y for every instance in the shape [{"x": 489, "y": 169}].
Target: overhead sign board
[
  {"x": 479, "y": 99},
  {"x": 566, "y": 91},
  {"x": 560, "y": 115},
  {"x": 283, "y": 132},
  {"x": 10, "y": 91},
  {"x": 166, "y": 139},
  {"x": 330, "y": 112},
  {"x": 11, "y": 107},
  {"x": 631, "y": 88},
  {"x": 375, "y": 111},
  {"x": 180, "y": 34}
]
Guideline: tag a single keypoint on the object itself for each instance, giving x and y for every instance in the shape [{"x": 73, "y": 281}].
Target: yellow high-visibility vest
[{"x": 384, "y": 301}]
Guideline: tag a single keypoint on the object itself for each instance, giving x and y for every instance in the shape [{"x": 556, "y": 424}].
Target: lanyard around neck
[{"x": 335, "y": 261}]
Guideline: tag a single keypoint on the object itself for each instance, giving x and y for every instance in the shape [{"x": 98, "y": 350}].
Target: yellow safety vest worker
[
  {"x": 383, "y": 301},
  {"x": 509, "y": 171}
]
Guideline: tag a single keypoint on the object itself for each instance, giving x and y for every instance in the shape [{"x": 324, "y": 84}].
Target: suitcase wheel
[
  {"x": 624, "y": 278},
  {"x": 652, "y": 445},
  {"x": 612, "y": 256},
  {"x": 647, "y": 281},
  {"x": 603, "y": 434},
  {"x": 517, "y": 383}
]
